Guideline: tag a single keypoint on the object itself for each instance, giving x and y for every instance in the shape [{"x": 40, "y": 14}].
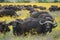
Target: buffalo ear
[{"x": 55, "y": 25}]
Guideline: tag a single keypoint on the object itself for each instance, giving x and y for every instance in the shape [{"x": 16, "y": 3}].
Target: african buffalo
[
  {"x": 6, "y": 12},
  {"x": 53, "y": 8},
  {"x": 45, "y": 20},
  {"x": 11, "y": 7},
  {"x": 4, "y": 27}
]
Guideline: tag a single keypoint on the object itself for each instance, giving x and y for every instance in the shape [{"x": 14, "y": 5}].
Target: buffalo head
[{"x": 48, "y": 25}]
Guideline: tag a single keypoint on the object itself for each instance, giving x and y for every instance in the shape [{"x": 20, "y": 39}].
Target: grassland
[{"x": 54, "y": 35}]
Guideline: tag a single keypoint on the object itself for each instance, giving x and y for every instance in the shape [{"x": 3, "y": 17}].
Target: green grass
[{"x": 54, "y": 35}]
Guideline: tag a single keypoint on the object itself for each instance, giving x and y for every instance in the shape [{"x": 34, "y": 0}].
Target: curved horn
[
  {"x": 45, "y": 22},
  {"x": 41, "y": 22},
  {"x": 48, "y": 22}
]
